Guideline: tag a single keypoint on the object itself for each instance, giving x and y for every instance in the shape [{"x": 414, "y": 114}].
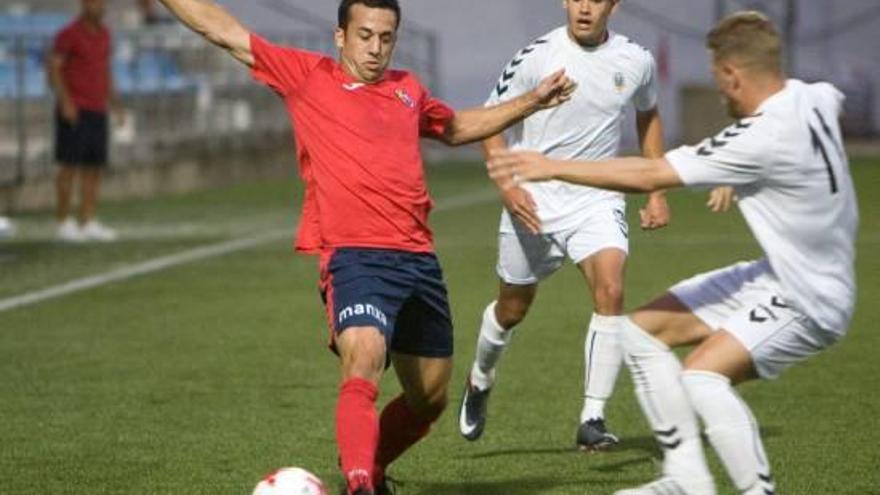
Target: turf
[{"x": 201, "y": 378}]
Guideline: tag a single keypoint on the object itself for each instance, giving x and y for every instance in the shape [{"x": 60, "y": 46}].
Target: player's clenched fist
[{"x": 555, "y": 89}]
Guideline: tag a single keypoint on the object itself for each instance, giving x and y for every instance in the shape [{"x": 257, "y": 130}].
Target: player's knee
[
  {"x": 429, "y": 407},
  {"x": 510, "y": 313},
  {"x": 65, "y": 175},
  {"x": 368, "y": 368},
  {"x": 362, "y": 352},
  {"x": 609, "y": 297}
]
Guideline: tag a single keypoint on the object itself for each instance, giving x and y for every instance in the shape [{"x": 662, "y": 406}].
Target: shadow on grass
[
  {"x": 638, "y": 444},
  {"x": 520, "y": 486},
  {"x": 643, "y": 444}
]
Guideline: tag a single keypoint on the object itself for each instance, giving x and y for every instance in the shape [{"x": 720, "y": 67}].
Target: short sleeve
[
  {"x": 832, "y": 95},
  {"x": 281, "y": 68},
  {"x": 737, "y": 156},
  {"x": 645, "y": 97},
  {"x": 435, "y": 116},
  {"x": 520, "y": 75},
  {"x": 63, "y": 43}
]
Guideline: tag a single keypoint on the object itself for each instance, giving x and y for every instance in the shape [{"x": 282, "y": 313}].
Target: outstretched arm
[
  {"x": 216, "y": 25},
  {"x": 655, "y": 214},
  {"x": 479, "y": 123},
  {"x": 632, "y": 175}
]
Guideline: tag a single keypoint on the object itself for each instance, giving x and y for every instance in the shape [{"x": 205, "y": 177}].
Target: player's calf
[
  {"x": 491, "y": 343},
  {"x": 401, "y": 426},
  {"x": 732, "y": 430},
  {"x": 362, "y": 350},
  {"x": 602, "y": 359}
]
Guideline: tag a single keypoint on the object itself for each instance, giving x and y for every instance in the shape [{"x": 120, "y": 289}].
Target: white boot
[
  {"x": 70, "y": 231},
  {"x": 7, "y": 228},
  {"x": 96, "y": 231}
]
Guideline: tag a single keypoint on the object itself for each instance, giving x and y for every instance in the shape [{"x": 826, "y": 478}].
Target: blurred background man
[{"x": 78, "y": 69}]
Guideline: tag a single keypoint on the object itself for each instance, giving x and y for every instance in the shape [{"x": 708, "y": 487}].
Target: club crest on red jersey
[{"x": 404, "y": 97}]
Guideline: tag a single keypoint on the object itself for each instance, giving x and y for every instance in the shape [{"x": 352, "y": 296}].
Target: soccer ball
[{"x": 290, "y": 481}]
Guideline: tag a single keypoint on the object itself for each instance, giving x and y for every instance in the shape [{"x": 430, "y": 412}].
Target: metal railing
[{"x": 184, "y": 98}]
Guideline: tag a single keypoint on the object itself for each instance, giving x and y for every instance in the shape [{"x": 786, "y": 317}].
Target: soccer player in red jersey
[{"x": 357, "y": 126}]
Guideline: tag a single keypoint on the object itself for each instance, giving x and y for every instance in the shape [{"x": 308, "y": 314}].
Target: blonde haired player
[
  {"x": 785, "y": 158},
  {"x": 543, "y": 224}
]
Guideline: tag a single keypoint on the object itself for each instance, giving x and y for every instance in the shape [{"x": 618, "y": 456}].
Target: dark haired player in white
[{"x": 545, "y": 223}]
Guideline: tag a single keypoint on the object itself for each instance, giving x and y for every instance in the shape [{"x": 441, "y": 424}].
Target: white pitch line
[
  {"x": 144, "y": 268},
  {"x": 190, "y": 256}
]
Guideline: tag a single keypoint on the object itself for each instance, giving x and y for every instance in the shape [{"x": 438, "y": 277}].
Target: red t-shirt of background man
[
  {"x": 358, "y": 150},
  {"x": 85, "y": 71}
]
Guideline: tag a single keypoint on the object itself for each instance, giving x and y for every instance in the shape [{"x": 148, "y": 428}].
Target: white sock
[
  {"x": 602, "y": 359},
  {"x": 732, "y": 430},
  {"x": 490, "y": 346},
  {"x": 656, "y": 374}
]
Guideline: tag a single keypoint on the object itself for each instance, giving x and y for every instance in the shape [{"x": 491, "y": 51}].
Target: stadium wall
[
  {"x": 834, "y": 41},
  {"x": 173, "y": 177}
]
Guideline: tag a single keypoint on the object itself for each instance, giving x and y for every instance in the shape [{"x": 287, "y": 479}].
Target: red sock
[
  {"x": 357, "y": 432},
  {"x": 400, "y": 428}
]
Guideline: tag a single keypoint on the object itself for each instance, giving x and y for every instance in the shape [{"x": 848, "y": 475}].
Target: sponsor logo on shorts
[{"x": 360, "y": 310}]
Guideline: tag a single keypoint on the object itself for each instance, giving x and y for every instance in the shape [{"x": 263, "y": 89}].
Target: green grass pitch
[{"x": 201, "y": 378}]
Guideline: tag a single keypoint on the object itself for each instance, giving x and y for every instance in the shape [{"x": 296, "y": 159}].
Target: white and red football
[{"x": 290, "y": 481}]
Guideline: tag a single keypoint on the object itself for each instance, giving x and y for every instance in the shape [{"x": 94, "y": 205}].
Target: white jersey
[
  {"x": 588, "y": 127},
  {"x": 791, "y": 173}
]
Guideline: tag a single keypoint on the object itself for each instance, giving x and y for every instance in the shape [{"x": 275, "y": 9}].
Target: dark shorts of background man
[{"x": 83, "y": 143}]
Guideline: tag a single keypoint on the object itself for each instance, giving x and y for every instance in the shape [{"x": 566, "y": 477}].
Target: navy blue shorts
[
  {"x": 402, "y": 294},
  {"x": 84, "y": 143}
]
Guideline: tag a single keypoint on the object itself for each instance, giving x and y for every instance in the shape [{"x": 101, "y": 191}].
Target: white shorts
[
  {"x": 525, "y": 258},
  {"x": 747, "y": 300}
]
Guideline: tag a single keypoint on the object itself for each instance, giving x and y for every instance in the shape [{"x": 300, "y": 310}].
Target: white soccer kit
[
  {"x": 791, "y": 174},
  {"x": 576, "y": 220}
]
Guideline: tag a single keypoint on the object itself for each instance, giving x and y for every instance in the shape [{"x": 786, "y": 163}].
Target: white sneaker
[
  {"x": 7, "y": 228},
  {"x": 96, "y": 231},
  {"x": 672, "y": 486},
  {"x": 69, "y": 231}
]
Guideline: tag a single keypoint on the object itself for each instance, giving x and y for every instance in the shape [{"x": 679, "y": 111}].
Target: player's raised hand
[
  {"x": 721, "y": 199},
  {"x": 522, "y": 206},
  {"x": 555, "y": 89},
  {"x": 519, "y": 166}
]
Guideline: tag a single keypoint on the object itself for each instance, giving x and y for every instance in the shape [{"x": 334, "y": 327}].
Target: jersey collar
[
  {"x": 611, "y": 35},
  {"x": 340, "y": 74}
]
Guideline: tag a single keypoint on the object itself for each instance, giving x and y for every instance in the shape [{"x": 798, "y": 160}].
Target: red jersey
[
  {"x": 358, "y": 150},
  {"x": 85, "y": 72}
]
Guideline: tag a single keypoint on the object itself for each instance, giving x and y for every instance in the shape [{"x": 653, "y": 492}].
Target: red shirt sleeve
[
  {"x": 63, "y": 42},
  {"x": 435, "y": 116},
  {"x": 281, "y": 68}
]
